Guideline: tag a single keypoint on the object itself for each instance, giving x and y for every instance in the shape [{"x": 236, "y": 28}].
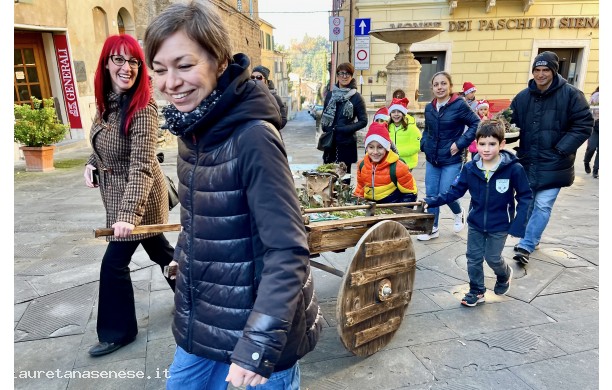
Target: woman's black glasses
[
  {"x": 258, "y": 77},
  {"x": 343, "y": 74},
  {"x": 120, "y": 61}
]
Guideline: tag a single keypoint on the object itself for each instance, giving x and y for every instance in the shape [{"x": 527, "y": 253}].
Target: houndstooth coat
[{"x": 131, "y": 181}]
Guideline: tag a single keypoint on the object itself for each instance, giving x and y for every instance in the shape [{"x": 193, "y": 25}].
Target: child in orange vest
[{"x": 381, "y": 175}]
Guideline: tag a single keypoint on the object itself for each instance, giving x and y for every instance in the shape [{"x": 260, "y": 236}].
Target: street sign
[
  {"x": 362, "y": 26},
  {"x": 362, "y": 53},
  {"x": 336, "y": 28}
]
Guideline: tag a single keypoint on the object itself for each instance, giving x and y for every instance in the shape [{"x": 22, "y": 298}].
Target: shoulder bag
[
  {"x": 326, "y": 140},
  {"x": 173, "y": 198}
]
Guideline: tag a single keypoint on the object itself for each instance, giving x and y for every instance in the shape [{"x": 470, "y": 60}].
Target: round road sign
[{"x": 362, "y": 55}]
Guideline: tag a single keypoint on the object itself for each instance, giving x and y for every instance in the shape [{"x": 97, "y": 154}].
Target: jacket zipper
[
  {"x": 486, "y": 203},
  {"x": 438, "y": 132},
  {"x": 190, "y": 257},
  {"x": 373, "y": 174}
]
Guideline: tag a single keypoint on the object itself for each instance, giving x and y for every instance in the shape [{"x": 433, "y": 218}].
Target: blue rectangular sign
[{"x": 362, "y": 26}]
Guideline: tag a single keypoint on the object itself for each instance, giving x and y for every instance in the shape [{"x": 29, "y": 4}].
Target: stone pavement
[{"x": 543, "y": 335}]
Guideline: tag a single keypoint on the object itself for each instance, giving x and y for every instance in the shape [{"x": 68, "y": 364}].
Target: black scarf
[{"x": 181, "y": 123}]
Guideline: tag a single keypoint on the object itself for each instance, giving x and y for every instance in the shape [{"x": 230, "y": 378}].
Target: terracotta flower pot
[{"x": 38, "y": 158}]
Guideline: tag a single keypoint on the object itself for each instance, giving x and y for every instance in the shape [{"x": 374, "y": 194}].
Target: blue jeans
[
  {"x": 485, "y": 246},
  {"x": 437, "y": 181},
  {"x": 539, "y": 215},
  {"x": 191, "y": 372}
]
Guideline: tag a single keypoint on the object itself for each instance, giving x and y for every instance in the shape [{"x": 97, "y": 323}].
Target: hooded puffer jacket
[
  {"x": 553, "y": 124},
  {"x": 445, "y": 127},
  {"x": 492, "y": 206},
  {"x": 244, "y": 291}
]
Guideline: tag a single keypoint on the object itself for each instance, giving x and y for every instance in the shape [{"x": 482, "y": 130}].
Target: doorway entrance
[
  {"x": 30, "y": 77},
  {"x": 568, "y": 60},
  {"x": 431, "y": 63}
]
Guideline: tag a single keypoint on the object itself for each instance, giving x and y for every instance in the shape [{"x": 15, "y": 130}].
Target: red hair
[{"x": 140, "y": 93}]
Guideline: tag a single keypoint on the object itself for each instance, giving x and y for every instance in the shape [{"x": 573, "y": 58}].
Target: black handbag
[
  {"x": 326, "y": 140},
  {"x": 173, "y": 198}
]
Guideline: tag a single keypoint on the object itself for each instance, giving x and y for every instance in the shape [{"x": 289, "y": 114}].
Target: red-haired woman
[{"x": 124, "y": 138}]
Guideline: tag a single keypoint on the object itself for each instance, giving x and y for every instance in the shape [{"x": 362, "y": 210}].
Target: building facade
[
  {"x": 57, "y": 45},
  {"x": 490, "y": 43}
]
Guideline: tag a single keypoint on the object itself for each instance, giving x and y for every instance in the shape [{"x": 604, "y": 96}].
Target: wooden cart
[{"x": 377, "y": 286}]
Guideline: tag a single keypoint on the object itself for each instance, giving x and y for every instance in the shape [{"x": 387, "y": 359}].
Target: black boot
[
  {"x": 587, "y": 167},
  {"x": 595, "y": 173}
]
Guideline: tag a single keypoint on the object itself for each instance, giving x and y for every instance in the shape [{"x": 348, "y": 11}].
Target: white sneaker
[
  {"x": 426, "y": 237},
  {"x": 459, "y": 221}
]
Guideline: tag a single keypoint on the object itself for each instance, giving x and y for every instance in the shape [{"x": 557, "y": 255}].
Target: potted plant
[{"x": 37, "y": 128}]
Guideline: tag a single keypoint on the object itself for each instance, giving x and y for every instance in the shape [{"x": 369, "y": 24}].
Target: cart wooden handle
[
  {"x": 160, "y": 228},
  {"x": 368, "y": 206}
]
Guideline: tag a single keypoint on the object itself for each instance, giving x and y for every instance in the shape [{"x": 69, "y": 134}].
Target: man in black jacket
[
  {"x": 262, "y": 73},
  {"x": 554, "y": 119}
]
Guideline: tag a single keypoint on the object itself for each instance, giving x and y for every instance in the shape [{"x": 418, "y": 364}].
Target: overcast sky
[{"x": 293, "y": 19}]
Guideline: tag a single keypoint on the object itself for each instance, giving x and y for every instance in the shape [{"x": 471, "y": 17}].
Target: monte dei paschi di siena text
[{"x": 523, "y": 23}]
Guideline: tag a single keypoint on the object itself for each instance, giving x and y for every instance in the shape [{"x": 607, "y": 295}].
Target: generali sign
[
  {"x": 67, "y": 79},
  {"x": 523, "y": 24}
]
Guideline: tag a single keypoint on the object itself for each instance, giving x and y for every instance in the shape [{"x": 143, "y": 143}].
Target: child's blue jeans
[
  {"x": 191, "y": 372},
  {"x": 485, "y": 246}
]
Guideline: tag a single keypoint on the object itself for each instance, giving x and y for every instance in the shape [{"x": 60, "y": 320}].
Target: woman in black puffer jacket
[
  {"x": 246, "y": 309},
  {"x": 345, "y": 113},
  {"x": 444, "y": 138}
]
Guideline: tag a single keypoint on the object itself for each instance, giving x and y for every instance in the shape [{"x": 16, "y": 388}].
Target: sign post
[
  {"x": 362, "y": 53},
  {"x": 336, "y": 28},
  {"x": 362, "y": 43},
  {"x": 362, "y": 26}
]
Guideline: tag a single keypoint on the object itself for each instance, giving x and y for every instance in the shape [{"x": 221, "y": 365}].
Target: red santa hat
[
  {"x": 378, "y": 132},
  {"x": 468, "y": 88},
  {"x": 399, "y": 104},
  {"x": 482, "y": 103},
  {"x": 382, "y": 113}
]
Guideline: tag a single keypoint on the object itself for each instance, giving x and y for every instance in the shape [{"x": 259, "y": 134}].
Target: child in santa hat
[
  {"x": 381, "y": 175},
  {"x": 382, "y": 115},
  {"x": 404, "y": 132},
  {"x": 469, "y": 93},
  {"x": 482, "y": 107}
]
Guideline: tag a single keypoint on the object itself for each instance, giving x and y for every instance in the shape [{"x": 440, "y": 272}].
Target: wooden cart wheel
[{"x": 376, "y": 289}]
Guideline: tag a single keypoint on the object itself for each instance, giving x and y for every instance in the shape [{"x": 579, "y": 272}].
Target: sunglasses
[
  {"x": 343, "y": 74},
  {"x": 120, "y": 61},
  {"x": 258, "y": 77}
]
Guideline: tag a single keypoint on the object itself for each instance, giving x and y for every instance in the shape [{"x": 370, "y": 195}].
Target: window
[
  {"x": 120, "y": 24},
  {"x": 30, "y": 75},
  {"x": 268, "y": 42}
]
